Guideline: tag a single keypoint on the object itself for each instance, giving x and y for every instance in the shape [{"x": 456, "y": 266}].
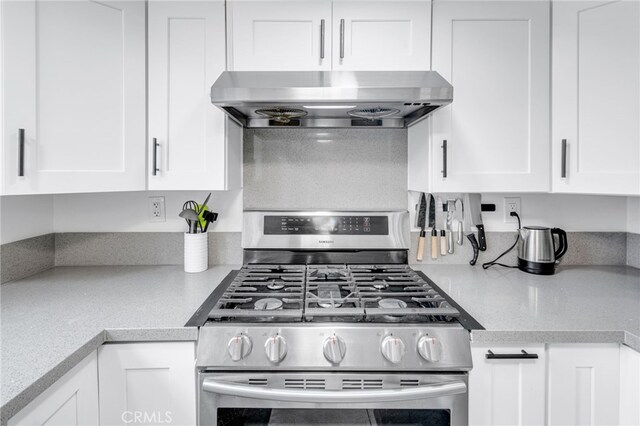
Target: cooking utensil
[
  {"x": 475, "y": 212},
  {"x": 468, "y": 232},
  {"x": 191, "y": 217},
  {"x": 203, "y": 206},
  {"x": 209, "y": 217},
  {"x": 443, "y": 232},
  {"x": 422, "y": 217},
  {"x": 460, "y": 231},
  {"x": 451, "y": 208},
  {"x": 432, "y": 225}
]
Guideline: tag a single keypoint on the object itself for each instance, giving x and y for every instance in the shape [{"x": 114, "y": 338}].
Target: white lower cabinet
[
  {"x": 72, "y": 400},
  {"x": 147, "y": 383},
  {"x": 584, "y": 384},
  {"x": 629, "y": 386},
  {"x": 507, "y": 391}
]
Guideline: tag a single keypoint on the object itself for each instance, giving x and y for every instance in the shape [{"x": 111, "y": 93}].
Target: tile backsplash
[{"x": 332, "y": 169}]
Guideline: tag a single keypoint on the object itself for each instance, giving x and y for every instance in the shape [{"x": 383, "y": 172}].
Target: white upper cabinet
[
  {"x": 596, "y": 97},
  {"x": 496, "y": 56},
  {"x": 74, "y": 96},
  {"x": 314, "y": 35},
  {"x": 188, "y": 147},
  {"x": 381, "y": 35},
  {"x": 292, "y": 35}
]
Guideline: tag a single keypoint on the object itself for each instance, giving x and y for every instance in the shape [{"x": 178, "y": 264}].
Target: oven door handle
[{"x": 341, "y": 396}]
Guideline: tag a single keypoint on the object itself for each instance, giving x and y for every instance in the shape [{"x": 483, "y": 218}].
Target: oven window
[{"x": 268, "y": 416}]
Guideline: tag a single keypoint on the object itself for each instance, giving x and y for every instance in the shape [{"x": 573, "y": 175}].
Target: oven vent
[
  {"x": 258, "y": 382},
  {"x": 304, "y": 383},
  {"x": 409, "y": 382},
  {"x": 361, "y": 383}
]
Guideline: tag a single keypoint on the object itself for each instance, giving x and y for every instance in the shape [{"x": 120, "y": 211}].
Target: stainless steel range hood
[{"x": 391, "y": 99}]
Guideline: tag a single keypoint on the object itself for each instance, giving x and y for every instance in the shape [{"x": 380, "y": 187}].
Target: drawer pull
[{"x": 523, "y": 355}]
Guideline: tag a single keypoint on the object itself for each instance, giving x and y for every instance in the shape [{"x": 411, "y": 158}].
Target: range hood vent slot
[{"x": 365, "y": 122}]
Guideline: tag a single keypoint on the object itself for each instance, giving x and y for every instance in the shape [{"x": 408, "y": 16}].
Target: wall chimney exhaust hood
[{"x": 330, "y": 99}]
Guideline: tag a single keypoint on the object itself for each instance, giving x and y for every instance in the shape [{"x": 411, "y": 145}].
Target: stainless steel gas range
[{"x": 327, "y": 324}]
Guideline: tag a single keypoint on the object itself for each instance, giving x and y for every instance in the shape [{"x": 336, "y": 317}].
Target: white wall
[
  {"x": 129, "y": 211},
  {"x": 25, "y": 216},
  {"x": 569, "y": 212},
  {"x": 633, "y": 215}
]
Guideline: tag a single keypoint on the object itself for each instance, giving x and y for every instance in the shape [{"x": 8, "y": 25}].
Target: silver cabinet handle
[
  {"x": 322, "y": 39},
  {"x": 318, "y": 396},
  {"x": 444, "y": 158},
  {"x": 342, "y": 39},
  {"x": 563, "y": 165},
  {"x": 21, "y": 152},
  {"x": 155, "y": 169}
]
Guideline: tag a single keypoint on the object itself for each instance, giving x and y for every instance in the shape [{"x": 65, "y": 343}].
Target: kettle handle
[{"x": 562, "y": 242}]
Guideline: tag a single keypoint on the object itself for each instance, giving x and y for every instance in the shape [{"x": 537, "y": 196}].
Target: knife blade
[
  {"x": 422, "y": 213},
  {"x": 432, "y": 225},
  {"x": 466, "y": 220},
  {"x": 475, "y": 211}
]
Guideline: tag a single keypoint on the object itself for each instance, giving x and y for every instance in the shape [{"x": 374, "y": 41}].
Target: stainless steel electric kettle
[{"x": 537, "y": 251}]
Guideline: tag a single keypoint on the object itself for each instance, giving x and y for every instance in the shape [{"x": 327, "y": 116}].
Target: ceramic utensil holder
[{"x": 196, "y": 252}]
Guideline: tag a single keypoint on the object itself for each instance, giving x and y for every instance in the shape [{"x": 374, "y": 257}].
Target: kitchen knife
[
  {"x": 422, "y": 218},
  {"x": 443, "y": 231},
  {"x": 432, "y": 225},
  {"x": 466, "y": 220},
  {"x": 474, "y": 207},
  {"x": 451, "y": 208},
  {"x": 460, "y": 231}
]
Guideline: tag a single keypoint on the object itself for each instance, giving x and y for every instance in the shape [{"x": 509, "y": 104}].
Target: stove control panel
[
  {"x": 326, "y": 225},
  {"x": 339, "y": 347}
]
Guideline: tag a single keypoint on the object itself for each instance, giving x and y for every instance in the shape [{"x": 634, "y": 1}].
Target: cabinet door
[
  {"x": 596, "y": 97},
  {"x": 629, "y": 386},
  {"x": 150, "y": 381},
  {"x": 74, "y": 74},
  {"x": 282, "y": 35},
  {"x": 381, "y": 35},
  {"x": 72, "y": 400},
  {"x": 584, "y": 384},
  {"x": 507, "y": 391},
  {"x": 187, "y": 143},
  {"x": 496, "y": 56}
]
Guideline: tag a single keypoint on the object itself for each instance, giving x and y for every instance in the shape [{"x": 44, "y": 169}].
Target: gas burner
[
  {"x": 268, "y": 304},
  {"x": 392, "y": 303},
  {"x": 275, "y": 285},
  {"x": 380, "y": 285}
]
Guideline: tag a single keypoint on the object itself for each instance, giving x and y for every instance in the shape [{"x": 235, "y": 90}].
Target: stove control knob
[
  {"x": 334, "y": 349},
  {"x": 430, "y": 348},
  {"x": 276, "y": 348},
  {"x": 239, "y": 347},
  {"x": 393, "y": 349}
]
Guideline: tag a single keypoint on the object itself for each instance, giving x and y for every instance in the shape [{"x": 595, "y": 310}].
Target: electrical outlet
[
  {"x": 512, "y": 205},
  {"x": 156, "y": 209}
]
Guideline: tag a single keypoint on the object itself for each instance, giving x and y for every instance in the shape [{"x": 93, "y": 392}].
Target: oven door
[{"x": 332, "y": 399}]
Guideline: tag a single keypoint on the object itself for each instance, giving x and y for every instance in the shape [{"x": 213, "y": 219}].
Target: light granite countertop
[
  {"x": 52, "y": 320},
  {"x": 579, "y": 304}
]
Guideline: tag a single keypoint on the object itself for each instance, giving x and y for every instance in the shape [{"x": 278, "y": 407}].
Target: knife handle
[
  {"x": 434, "y": 244},
  {"x": 460, "y": 234},
  {"x": 420, "y": 255},
  {"x": 474, "y": 245},
  {"x": 450, "y": 242},
  {"x": 482, "y": 241},
  {"x": 443, "y": 243}
]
